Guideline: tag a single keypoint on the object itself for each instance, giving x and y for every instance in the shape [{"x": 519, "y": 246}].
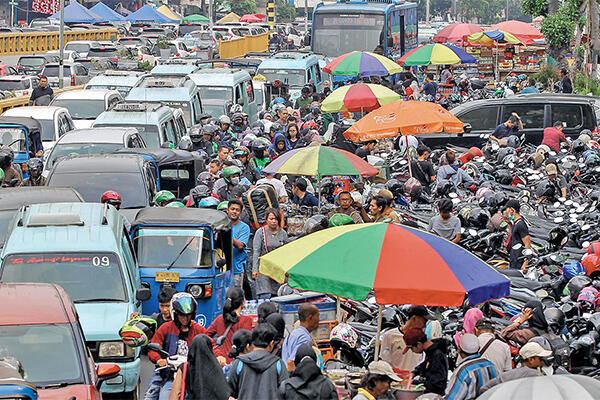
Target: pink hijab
[{"x": 471, "y": 317}]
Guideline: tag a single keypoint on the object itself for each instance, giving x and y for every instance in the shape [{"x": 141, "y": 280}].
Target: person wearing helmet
[
  {"x": 162, "y": 198},
  {"x": 204, "y": 139},
  {"x": 249, "y": 171},
  {"x": 225, "y": 124},
  {"x": 175, "y": 337},
  {"x": 34, "y": 168},
  {"x": 345, "y": 206},
  {"x": 445, "y": 224},
  {"x": 208, "y": 202},
  {"x": 554, "y": 136},
  {"x": 512, "y": 125},
  {"x": 12, "y": 177},
  {"x": 238, "y": 124},
  {"x": 260, "y": 157},
  {"x": 111, "y": 197},
  {"x": 304, "y": 101},
  {"x": 175, "y": 204},
  {"x": 519, "y": 235},
  {"x": 230, "y": 178}
]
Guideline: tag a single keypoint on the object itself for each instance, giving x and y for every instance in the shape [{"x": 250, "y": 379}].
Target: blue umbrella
[
  {"x": 76, "y": 13},
  {"x": 107, "y": 14},
  {"x": 147, "y": 13}
]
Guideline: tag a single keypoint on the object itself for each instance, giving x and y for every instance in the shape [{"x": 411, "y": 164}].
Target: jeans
[{"x": 158, "y": 388}]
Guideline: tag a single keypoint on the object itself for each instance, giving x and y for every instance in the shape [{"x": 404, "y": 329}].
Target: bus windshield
[{"x": 337, "y": 33}]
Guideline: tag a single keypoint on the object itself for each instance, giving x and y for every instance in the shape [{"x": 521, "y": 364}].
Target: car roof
[
  {"x": 153, "y": 116},
  {"x": 170, "y": 69},
  {"x": 182, "y": 216},
  {"x": 164, "y": 156},
  {"x": 35, "y": 303},
  {"x": 289, "y": 60},
  {"x": 82, "y": 42},
  {"x": 15, "y": 77},
  {"x": 85, "y": 94},
  {"x": 97, "y": 135},
  {"x": 37, "y": 112},
  {"x": 95, "y": 163},
  {"x": 219, "y": 77},
  {"x": 14, "y": 198},
  {"x": 65, "y": 64},
  {"x": 114, "y": 80}
]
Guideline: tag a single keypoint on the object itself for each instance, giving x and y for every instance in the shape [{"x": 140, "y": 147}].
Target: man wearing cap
[
  {"x": 554, "y": 136},
  {"x": 433, "y": 372},
  {"x": 519, "y": 235},
  {"x": 492, "y": 348},
  {"x": 393, "y": 346},
  {"x": 377, "y": 382},
  {"x": 473, "y": 372},
  {"x": 344, "y": 200},
  {"x": 532, "y": 360},
  {"x": 559, "y": 181}
]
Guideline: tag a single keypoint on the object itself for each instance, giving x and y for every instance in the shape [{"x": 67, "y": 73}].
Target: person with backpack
[
  {"x": 258, "y": 374},
  {"x": 490, "y": 347},
  {"x": 307, "y": 381},
  {"x": 268, "y": 238}
]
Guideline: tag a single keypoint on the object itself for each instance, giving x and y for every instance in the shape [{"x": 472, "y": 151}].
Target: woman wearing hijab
[
  {"x": 307, "y": 382},
  {"x": 204, "y": 378},
  {"x": 533, "y": 314},
  {"x": 278, "y": 323},
  {"x": 471, "y": 317},
  {"x": 279, "y": 146}
]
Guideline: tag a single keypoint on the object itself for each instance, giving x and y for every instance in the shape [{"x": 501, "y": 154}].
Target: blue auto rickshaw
[
  {"x": 23, "y": 136},
  {"x": 13, "y": 386},
  {"x": 189, "y": 249}
]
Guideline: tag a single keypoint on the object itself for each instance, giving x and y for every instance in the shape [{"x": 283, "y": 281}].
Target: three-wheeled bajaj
[
  {"x": 13, "y": 386},
  {"x": 23, "y": 136},
  {"x": 189, "y": 249}
]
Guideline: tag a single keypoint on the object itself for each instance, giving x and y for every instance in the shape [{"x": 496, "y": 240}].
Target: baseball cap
[
  {"x": 533, "y": 349},
  {"x": 469, "y": 343},
  {"x": 412, "y": 337},
  {"x": 551, "y": 169},
  {"x": 513, "y": 203},
  {"x": 383, "y": 368},
  {"x": 485, "y": 323},
  {"x": 386, "y": 194}
]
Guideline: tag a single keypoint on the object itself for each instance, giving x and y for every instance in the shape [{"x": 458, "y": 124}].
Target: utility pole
[
  {"x": 427, "y": 11},
  {"x": 506, "y": 13},
  {"x": 306, "y": 16},
  {"x": 13, "y": 14},
  {"x": 61, "y": 44}
]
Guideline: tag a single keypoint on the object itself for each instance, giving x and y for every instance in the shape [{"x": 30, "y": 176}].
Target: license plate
[{"x": 166, "y": 276}]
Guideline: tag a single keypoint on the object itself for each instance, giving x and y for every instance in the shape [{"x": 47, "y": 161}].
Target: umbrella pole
[
  {"x": 377, "y": 337},
  {"x": 319, "y": 184},
  {"x": 408, "y": 157}
]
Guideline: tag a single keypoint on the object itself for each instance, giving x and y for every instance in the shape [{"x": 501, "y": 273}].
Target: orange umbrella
[
  {"x": 404, "y": 118},
  {"x": 518, "y": 28}
]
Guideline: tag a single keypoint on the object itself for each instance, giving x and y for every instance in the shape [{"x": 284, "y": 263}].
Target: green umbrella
[{"x": 195, "y": 18}]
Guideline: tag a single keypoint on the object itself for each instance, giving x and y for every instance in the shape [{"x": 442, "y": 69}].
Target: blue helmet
[
  {"x": 571, "y": 269},
  {"x": 278, "y": 100},
  {"x": 208, "y": 202}
]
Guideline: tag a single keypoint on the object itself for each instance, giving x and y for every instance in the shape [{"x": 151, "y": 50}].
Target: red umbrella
[
  {"x": 251, "y": 18},
  {"x": 454, "y": 33},
  {"x": 518, "y": 28}
]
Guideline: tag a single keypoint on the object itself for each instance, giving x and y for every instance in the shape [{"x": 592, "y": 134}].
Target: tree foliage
[
  {"x": 558, "y": 29},
  {"x": 437, "y": 8},
  {"x": 241, "y": 7},
  {"x": 285, "y": 12},
  {"x": 535, "y": 8},
  {"x": 487, "y": 12}
]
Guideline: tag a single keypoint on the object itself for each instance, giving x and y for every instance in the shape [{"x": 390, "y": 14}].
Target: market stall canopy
[
  {"x": 495, "y": 38},
  {"x": 404, "y": 118},
  {"x": 76, "y": 13},
  {"x": 402, "y": 265},
  {"x": 168, "y": 13},
  {"x": 147, "y": 13},
  {"x": 362, "y": 63},
  {"x": 454, "y": 33},
  {"x": 231, "y": 17},
  {"x": 358, "y": 97},
  {"x": 519, "y": 29},
  {"x": 106, "y": 13},
  {"x": 436, "y": 54},
  {"x": 252, "y": 17},
  {"x": 195, "y": 18}
]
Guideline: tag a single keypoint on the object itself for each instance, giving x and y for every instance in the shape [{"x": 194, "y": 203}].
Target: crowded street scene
[{"x": 351, "y": 200}]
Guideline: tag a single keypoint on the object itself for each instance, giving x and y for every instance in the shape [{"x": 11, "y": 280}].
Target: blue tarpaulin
[
  {"x": 76, "y": 13},
  {"x": 107, "y": 14},
  {"x": 147, "y": 13}
]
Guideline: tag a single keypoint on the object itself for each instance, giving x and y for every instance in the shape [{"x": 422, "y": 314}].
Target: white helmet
[
  {"x": 344, "y": 333},
  {"x": 224, "y": 119}
]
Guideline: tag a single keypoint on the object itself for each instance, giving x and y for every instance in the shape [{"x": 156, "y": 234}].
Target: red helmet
[
  {"x": 475, "y": 151},
  {"x": 111, "y": 197},
  {"x": 591, "y": 263},
  {"x": 310, "y": 124}
]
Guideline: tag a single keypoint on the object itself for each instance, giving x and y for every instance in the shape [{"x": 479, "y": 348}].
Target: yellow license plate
[{"x": 166, "y": 276}]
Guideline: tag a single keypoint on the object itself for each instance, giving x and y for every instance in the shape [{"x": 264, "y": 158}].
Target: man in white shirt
[
  {"x": 277, "y": 184},
  {"x": 491, "y": 348}
]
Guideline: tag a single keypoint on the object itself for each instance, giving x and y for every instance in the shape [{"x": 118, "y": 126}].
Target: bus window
[
  {"x": 336, "y": 34},
  {"x": 169, "y": 129},
  {"x": 196, "y": 108},
  {"x": 395, "y": 27},
  {"x": 411, "y": 29},
  {"x": 318, "y": 74}
]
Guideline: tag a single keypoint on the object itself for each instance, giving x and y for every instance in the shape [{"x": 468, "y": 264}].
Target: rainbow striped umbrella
[
  {"x": 436, "y": 54},
  {"x": 358, "y": 98},
  {"x": 401, "y": 265},
  {"x": 320, "y": 161},
  {"x": 496, "y": 37},
  {"x": 362, "y": 63}
]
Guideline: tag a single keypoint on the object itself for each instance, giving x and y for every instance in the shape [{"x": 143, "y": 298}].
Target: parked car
[
  {"x": 134, "y": 41},
  {"x": 74, "y": 74},
  {"x": 122, "y": 81},
  {"x": 44, "y": 332},
  {"x": 7, "y": 69},
  {"x": 207, "y": 45},
  {"x": 85, "y": 105},
  {"x": 189, "y": 27},
  {"x": 34, "y": 64},
  {"x": 81, "y": 46},
  {"x": 18, "y": 85},
  {"x": 69, "y": 56},
  {"x": 55, "y": 121}
]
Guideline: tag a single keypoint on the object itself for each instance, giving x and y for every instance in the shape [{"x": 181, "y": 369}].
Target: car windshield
[
  {"x": 77, "y": 149},
  {"x": 291, "y": 77},
  {"x": 14, "y": 85},
  {"x": 81, "y": 108},
  {"x": 215, "y": 110},
  {"x": 216, "y": 93},
  {"x": 102, "y": 52},
  {"x": 188, "y": 28},
  {"x": 122, "y": 89},
  {"x": 78, "y": 47},
  {"x": 148, "y": 132},
  {"x": 160, "y": 247},
  {"x": 52, "y": 71},
  {"x": 13, "y": 138},
  {"x": 40, "y": 348},
  {"x": 32, "y": 61},
  {"x": 72, "y": 271}
]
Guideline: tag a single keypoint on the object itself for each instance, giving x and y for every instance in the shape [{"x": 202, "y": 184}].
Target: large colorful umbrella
[
  {"x": 496, "y": 37},
  {"x": 454, "y": 33},
  {"x": 252, "y": 17},
  {"x": 518, "y": 28},
  {"x": 320, "y": 161},
  {"x": 362, "y": 63},
  {"x": 401, "y": 265},
  {"x": 405, "y": 118},
  {"x": 195, "y": 18},
  {"x": 358, "y": 98},
  {"x": 436, "y": 54}
]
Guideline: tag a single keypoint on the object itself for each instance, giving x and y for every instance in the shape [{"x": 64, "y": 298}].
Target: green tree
[
  {"x": 437, "y": 8},
  {"x": 241, "y": 7},
  {"x": 485, "y": 11},
  {"x": 284, "y": 11}
]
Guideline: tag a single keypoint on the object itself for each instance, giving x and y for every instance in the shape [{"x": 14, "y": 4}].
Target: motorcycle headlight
[{"x": 111, "y": 349}]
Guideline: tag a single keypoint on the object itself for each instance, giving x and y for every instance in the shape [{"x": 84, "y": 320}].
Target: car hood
[
  {"x": 101, "y": 321},
  {"x": 69, "y": 392},
  {"x": 83, "y": 123}
]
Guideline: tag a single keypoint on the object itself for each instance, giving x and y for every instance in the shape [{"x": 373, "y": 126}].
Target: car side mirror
[
  {"x": 143, "y": 294},
  {"x": 467, "y": 127},
  {"x": 106, "y": 371}
]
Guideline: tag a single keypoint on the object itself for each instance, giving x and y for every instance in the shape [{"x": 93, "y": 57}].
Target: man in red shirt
[{"x": 554, "y": 135}]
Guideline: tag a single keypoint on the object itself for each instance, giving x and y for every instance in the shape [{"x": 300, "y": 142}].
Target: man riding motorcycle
[{"x": 34, "y": 167}]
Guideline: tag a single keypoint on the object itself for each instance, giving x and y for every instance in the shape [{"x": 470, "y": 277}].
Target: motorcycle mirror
[
  {"x": 517, "y": 246},
  {"x": 597, "y": 169},
  {"x": 371, "y": 300},
  {"x": 558, "y": 220},
  {"x": 553, "y": 257},
  {"x": 559, "y": 213},
  {"x": 561, "y": 199},
  {"x": 585, "y": 244},
  {"x": 556, "y": 204},
  {"x": 527, "y": 252},
  {"x": 383, "y": 155},
  {"x": 581, "y": 165},
  {"x": 573, "y": 216},
  {"x": 580, "y": 209},
  {"x": 576, "y": 204},
  {"x": 585, "y": 227},
  {"x": 472, "y": 232},
  {"x": 462, "y": 230},
  {"x": 511, "y": 165},
  {"x": 552, "y": 153},
  {"x": 568, "y": 202},
  {"x": 403, "y": 162},
  {"x": 452, "y": 195},
  {"x": 154, "y": 347},
  {"x": 495, "y": 146},
  {"x": 573, "y": 220}
]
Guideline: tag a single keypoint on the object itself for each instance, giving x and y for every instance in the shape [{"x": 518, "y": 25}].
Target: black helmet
[
  {"x": 316, "y": 223},
  {"x": 327, "y": 187},
  {"x": 237, "y": 117},
  {"x": 35, "y": 164},
  {"x": 478, "y": 218},
  {"x": 545, "y": 189},
  {"x": 204, "y": 178},
  {"x": 259, "y": 144},
  {"x": 444, "y": 188},
  {"x": 556, "y": 236},
  {"x": 577, "y": 283},
  {"x": 259, "y": 126},
  {"x": 556, "y": 319},
  {"x": 577, "y": 146},
  {"x": 503, "y": 152},
  {"x": 209, "y": 130},
  {"x": 185, "y": 143},
  {"x": 196, "y": 132},
  {"x": 199, "y": 192},
  {"x": 5, "y": 159},
  {"x": 315, "y": 110},
  {"x": 394, "y": 186},
  {"x": 512, "y": 141},
  {"x": 275, "y": 127},
  {"x": 504, "y": 176}
]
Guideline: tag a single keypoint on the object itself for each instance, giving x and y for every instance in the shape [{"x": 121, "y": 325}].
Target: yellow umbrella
[
  {"x": 164, "y": 10},
  {"x": 231, "y": 17}
]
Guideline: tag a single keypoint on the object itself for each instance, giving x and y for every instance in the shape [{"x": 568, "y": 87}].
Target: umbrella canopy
[
  {"x": 122, "y": 10},
  {"x": 358, "y": 97},
  {"x": 231, "y": 17},
  {"x": 436, "y": 54},
  {"x": 106, "y": 13},
  {"x": 252, "y": 18},
  {"x": 166, "y": 11},
  {"x": 518, "y": 28},
  {"x": 455, "y": 32},
  {"x": 493, "y": 38},
  {"x": 320, "y": 160},
  {"x": 362, "y": 63},
  {"x": 195, "y": 18},
  {"x": 405, "y": 118},
  {"x": 147, "y": 13},
  {"x": 553, "y": 387},
  {"x": 76, "y": 13},
  {"x": 401, "y": 265}
]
